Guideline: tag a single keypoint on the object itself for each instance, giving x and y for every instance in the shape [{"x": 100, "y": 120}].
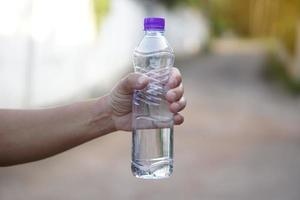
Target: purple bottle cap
[{"x": 154, "y": 23}]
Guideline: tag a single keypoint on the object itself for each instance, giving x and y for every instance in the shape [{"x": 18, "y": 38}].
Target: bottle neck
[{"x": 154, "y": 33}]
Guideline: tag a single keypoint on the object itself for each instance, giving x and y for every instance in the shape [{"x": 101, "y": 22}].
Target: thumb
[{"x": 134, "y": 81}]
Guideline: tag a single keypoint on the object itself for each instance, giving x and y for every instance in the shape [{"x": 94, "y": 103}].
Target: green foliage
[
  {"x": 218, "y": 9},
  {"x": 277, "y": 72},
  {"x": 257, "y": 18},
  {"x": 286, "y": 23},
  {"x": 250, "y": 18},
  {"x": 173, "y": 3},
  {"x": 100, "y": 9},
  {"x": 169, "y": 3}
]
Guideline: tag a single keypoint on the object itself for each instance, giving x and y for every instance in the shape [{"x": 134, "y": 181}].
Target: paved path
[{"x": 241, "y": 140}]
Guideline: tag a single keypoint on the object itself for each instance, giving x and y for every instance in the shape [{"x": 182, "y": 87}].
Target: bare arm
[{"x": 30, "y": 135}]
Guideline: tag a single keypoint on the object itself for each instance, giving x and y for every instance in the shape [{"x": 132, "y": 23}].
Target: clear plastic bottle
[{"x": 152, "y": 140}]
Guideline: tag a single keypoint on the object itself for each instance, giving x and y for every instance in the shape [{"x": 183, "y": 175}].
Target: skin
[{"x": 30, "y": 135}]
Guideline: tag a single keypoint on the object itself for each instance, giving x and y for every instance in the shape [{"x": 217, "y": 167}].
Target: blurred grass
[{"x": 100, "y": 8}]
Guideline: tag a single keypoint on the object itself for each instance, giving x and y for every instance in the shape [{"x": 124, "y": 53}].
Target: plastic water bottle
[{"x": 152, "y": 141}]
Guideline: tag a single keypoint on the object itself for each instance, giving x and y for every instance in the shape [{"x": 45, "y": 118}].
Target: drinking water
[{"x": 152, "y": 122}]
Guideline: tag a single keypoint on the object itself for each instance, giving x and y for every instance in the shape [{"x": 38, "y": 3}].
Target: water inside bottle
[
  {"x": 157, "y": 146},
  {"x": 152, "y": 141}
]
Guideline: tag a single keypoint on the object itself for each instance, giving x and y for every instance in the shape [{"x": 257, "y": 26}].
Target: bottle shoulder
[{"x": 151, "y": 44}]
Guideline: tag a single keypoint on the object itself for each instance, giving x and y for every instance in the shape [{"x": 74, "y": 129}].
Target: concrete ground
[{"x": 240, "y": 140}]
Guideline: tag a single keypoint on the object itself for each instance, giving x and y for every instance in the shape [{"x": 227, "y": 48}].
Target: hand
[{"x": 120, "y": 98}]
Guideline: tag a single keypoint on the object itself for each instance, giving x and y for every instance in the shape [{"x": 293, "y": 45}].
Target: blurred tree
[
  {"x": 200, "y": 4},
  {"x": 250, "y": 18},
  {"x": 100, "y": 9},
  {"x": 258, "y": 18},
  {"x": 276, "y": 19}
]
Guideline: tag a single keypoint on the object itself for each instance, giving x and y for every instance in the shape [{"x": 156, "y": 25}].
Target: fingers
[
  {"x": 133, "y": 81},
  {"x": 178, "y": 106},
  {"x": 175, "y": 94},
  {"x": 175, "y": 78},
  {"x": 178, "y": 119}
]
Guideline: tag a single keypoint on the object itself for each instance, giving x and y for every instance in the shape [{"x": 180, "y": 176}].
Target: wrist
[{"x": 102, "y": 116}]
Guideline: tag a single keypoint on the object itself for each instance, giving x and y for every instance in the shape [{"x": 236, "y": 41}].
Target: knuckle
[
  {"x": 131, "y": 78},
  {"x": 182, "y": 119},
  {"x": 127, "y": 83},
  {"x": 175, "y": 77},
  {"x": 176, "y": 70},
  {"x": 181, "y": 87},
  {"x": 125, "y": 80},
  {"x": 184, "y": 101},
  {"x": 178, "y": 89}
]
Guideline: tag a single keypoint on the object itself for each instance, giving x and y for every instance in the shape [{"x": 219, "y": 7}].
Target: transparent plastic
[{"x": 152, "y": 141}]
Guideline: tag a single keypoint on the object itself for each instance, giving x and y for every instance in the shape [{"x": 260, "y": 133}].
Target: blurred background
[{"x": 240, "y": 62}]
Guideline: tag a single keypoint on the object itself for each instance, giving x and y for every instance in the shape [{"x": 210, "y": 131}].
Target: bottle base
[{"x": 154, "y": 171}]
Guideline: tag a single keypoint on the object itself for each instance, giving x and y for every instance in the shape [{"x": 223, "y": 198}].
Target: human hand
[{"x": 120, "y": 98}]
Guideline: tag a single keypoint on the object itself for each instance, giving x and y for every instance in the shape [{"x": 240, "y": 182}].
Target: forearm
[{"x": 29, "y": 135}]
